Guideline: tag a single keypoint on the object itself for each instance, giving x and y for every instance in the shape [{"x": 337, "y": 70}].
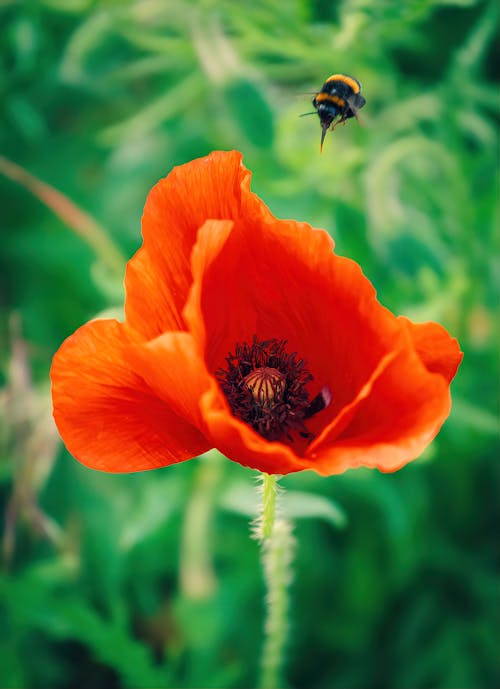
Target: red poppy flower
[{"x": 247, "y": 334}]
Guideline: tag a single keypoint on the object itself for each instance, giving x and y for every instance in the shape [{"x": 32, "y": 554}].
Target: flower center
[{"x": 266, "y": 388}]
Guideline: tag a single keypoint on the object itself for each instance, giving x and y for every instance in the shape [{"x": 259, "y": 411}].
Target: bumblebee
[{"x": 340, "y": 97}]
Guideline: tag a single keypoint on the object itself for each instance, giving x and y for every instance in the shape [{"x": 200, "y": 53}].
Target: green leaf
[
  {"x": 301, "y": 505},
  {"x": 243, "y": 499}
]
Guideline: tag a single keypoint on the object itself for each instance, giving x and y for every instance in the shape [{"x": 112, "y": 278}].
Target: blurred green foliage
[{"x": 151, "y": 580}]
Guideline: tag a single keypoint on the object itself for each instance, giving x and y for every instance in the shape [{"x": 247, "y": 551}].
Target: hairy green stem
[
  {"x": 276, "y": 546},
  {"x": 269, "y": 490}
]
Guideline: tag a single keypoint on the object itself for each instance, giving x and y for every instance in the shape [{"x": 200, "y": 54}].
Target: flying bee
[{"x": 339, "y": 99}]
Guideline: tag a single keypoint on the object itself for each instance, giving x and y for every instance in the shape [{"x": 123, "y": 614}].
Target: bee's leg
[{"x": 335, "y": 124}]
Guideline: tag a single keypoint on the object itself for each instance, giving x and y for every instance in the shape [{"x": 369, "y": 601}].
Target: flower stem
[
  {"x": 276, "y": 538},
  {"x": 269, "y": 490}
]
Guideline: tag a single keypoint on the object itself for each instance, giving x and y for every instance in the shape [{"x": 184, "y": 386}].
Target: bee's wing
[{"x": 356, "y": 102}]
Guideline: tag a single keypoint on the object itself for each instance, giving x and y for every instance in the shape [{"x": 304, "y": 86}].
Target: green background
[{"x": 151, "y": 580}]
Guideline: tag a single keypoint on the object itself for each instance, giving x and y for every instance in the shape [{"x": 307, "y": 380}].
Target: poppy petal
[
  {"x": 107, "y": 416},
  {"x": 174, "y": 370},
  {"x": 333, "y": 429},
  {"x": 439, "y": 352},
  {"x": 211, "y": 241},
  {"x": 159, "y": 275},
  {"x": 404, "y": 410}
]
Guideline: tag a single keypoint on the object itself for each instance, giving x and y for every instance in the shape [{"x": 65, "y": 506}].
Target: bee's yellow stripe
[
  {"x": 332, "y": 99},
  {"x": 347, "y": 80}
]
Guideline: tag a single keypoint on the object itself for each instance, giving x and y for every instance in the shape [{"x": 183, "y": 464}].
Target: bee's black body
[{"x": 340, "y": 97}]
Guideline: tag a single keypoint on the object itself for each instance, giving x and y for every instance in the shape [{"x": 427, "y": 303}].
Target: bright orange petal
[
  {"x": 107, "y": 416},
  {"x": 173, "y": 368},
  {"x": 334, "y": 428},
  {"x": 404, "y": 410},
  {"x": 212, "y": 239},
  {"x": 159, "y": 275},
  {"x": 439, "y": 352}
]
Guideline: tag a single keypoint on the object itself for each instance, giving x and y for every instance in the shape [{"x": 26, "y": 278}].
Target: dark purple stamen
[{"x": 266, "y": 388}]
